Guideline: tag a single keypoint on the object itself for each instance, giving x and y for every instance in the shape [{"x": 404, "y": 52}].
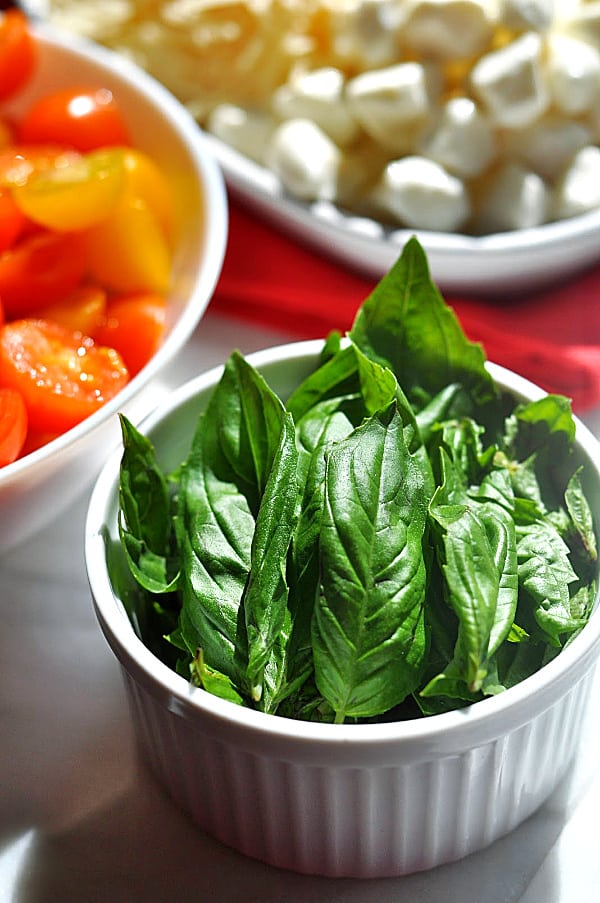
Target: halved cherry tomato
[
  {"x": 19, "y": 162},
  {"x": 63, "y": 376},
  {"x": 39, "y": 270},
  {"x": 82, "y": 310},
  {"x": 75, "y": 195},
  {"x": 135, "y": 326},
  {"x": 128, "y": 251},
  {"x": 146, "y": 181},
  {"x": 36, "y": 439},
  {"x": 12, "y": 220},
  {"x": 18, "y": 52},
  {"x": 85, "y": 118},
  {"x": 13, "y": 425},
  {"x": 6, "y": 133}
]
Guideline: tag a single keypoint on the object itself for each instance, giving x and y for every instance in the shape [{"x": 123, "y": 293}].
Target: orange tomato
[
  {"x": 13, "y": 425},
  {"x": 74, "y": 194},
  {"x": 39, "y": 270},
  {"x": 85, "y": 118},
  {"x": 18, "y": 52},
  {"x": 135, "y": 326},
  {"x": 62, "y": 376},
  {"x": 82, "y": 310}
]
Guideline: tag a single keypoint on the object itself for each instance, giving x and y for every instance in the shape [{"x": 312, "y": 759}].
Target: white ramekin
[{"x": 340, "y": 800}]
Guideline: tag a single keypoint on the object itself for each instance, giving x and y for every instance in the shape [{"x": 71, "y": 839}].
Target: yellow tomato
[
  {"x": 147, "y": 182},
  {"x": 128, "y": 251},
  {"x": 74, "y": 193}
]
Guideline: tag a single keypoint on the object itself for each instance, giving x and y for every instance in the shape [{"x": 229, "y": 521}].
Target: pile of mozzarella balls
[{"x": 470, "y": 116}]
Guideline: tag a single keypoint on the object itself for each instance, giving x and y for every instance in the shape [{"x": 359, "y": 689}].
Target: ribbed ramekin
[{"x": 340, "y": 800}]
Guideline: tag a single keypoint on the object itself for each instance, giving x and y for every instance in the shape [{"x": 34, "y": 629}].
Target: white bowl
[
  {"x": 34, "y": 489},
  {"x": 351, "y": 800}
]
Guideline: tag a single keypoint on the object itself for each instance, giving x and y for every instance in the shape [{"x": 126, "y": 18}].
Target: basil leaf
[
  {"x": 472, "y": 579},
  {"x": 336, "y": 377},
  {"x": 221, "y": 486},
  {"x": 245, "y": 418},
  {"x": 213, "y": 682},
  {"x": 266, "y": 593},
  {"x": 143, "y": 491},
  {"x": 315, "y": 432},
  {"x": 545, "y": 573},
  {"x": 368, "y": 627},
  {"x": 151, "y": 571},
  {"x": 581, "y": 515},
  {"x": 406, "y": 325}
]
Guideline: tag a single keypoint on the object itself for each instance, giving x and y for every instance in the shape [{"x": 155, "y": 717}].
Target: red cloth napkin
[{"x": 551, "y": 337}]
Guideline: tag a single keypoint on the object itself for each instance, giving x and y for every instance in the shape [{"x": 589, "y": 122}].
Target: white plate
[{"x": 493, "y": 265}]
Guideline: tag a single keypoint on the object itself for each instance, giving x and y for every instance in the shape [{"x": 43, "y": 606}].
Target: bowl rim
[
  {"x": 453, "y": 730},
  {"x": 215, "y": 196}
]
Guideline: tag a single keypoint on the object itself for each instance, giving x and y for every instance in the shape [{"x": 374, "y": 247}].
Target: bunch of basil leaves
[{"x": 396, "y": 538}]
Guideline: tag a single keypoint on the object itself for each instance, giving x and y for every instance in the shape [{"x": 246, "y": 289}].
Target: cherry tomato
[
  {"x": 12, "y": 220},
  {"x": 128, "y": 252},
  {"x": 85, "y": 118},
  {"x": 73, "y": 195},
  {"x": 82, "y": 310},
  {"x": 62, "y": 376},
  {"x": 13, "y": 425},
  {"x": 40, "y": 270},
  {"x": 146, "y": 181},
  {"x": 135, "y": 326},
  {"x": 6, "y": 133},
  {"x": 17, "y": 52},
  {"x": 36, "y": 439},
  {"x": 18, "y": 163}
]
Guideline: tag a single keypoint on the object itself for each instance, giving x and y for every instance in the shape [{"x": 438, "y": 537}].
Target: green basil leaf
[
  {"x": 321, "y": 426},
  {"x": 221, "y": 487},
  {"x": 337, "y": 376},
  {"x": 368, "y": 627},
  {"x": 244, "y": 417},
  {"x": 406, "y": 325},
  {"x": 143, "y": 491},
  {"x": 581, "y": 515},
  {"x": 266, "y": 593},
  {"x": 212, "y": 681},
  {"x": 477, "y": 551},
  {"x": 545, "y": 573},
  {"x": 151, "y": 571}
]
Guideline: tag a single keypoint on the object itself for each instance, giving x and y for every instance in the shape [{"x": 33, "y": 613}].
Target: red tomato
[
  {"x": 85, "y": 118},
  {"x": 6, "y": 132},
  {"x": 40, "y": 270},
  {"x": 62, "y": 376},
  {"x": 13, "y": 425},
  {"x": 12, "y": 220},
  {"x": 17, "y": 52},
  {"x": 35, "y": 440},
  {"x": 135, "y": 326}
]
